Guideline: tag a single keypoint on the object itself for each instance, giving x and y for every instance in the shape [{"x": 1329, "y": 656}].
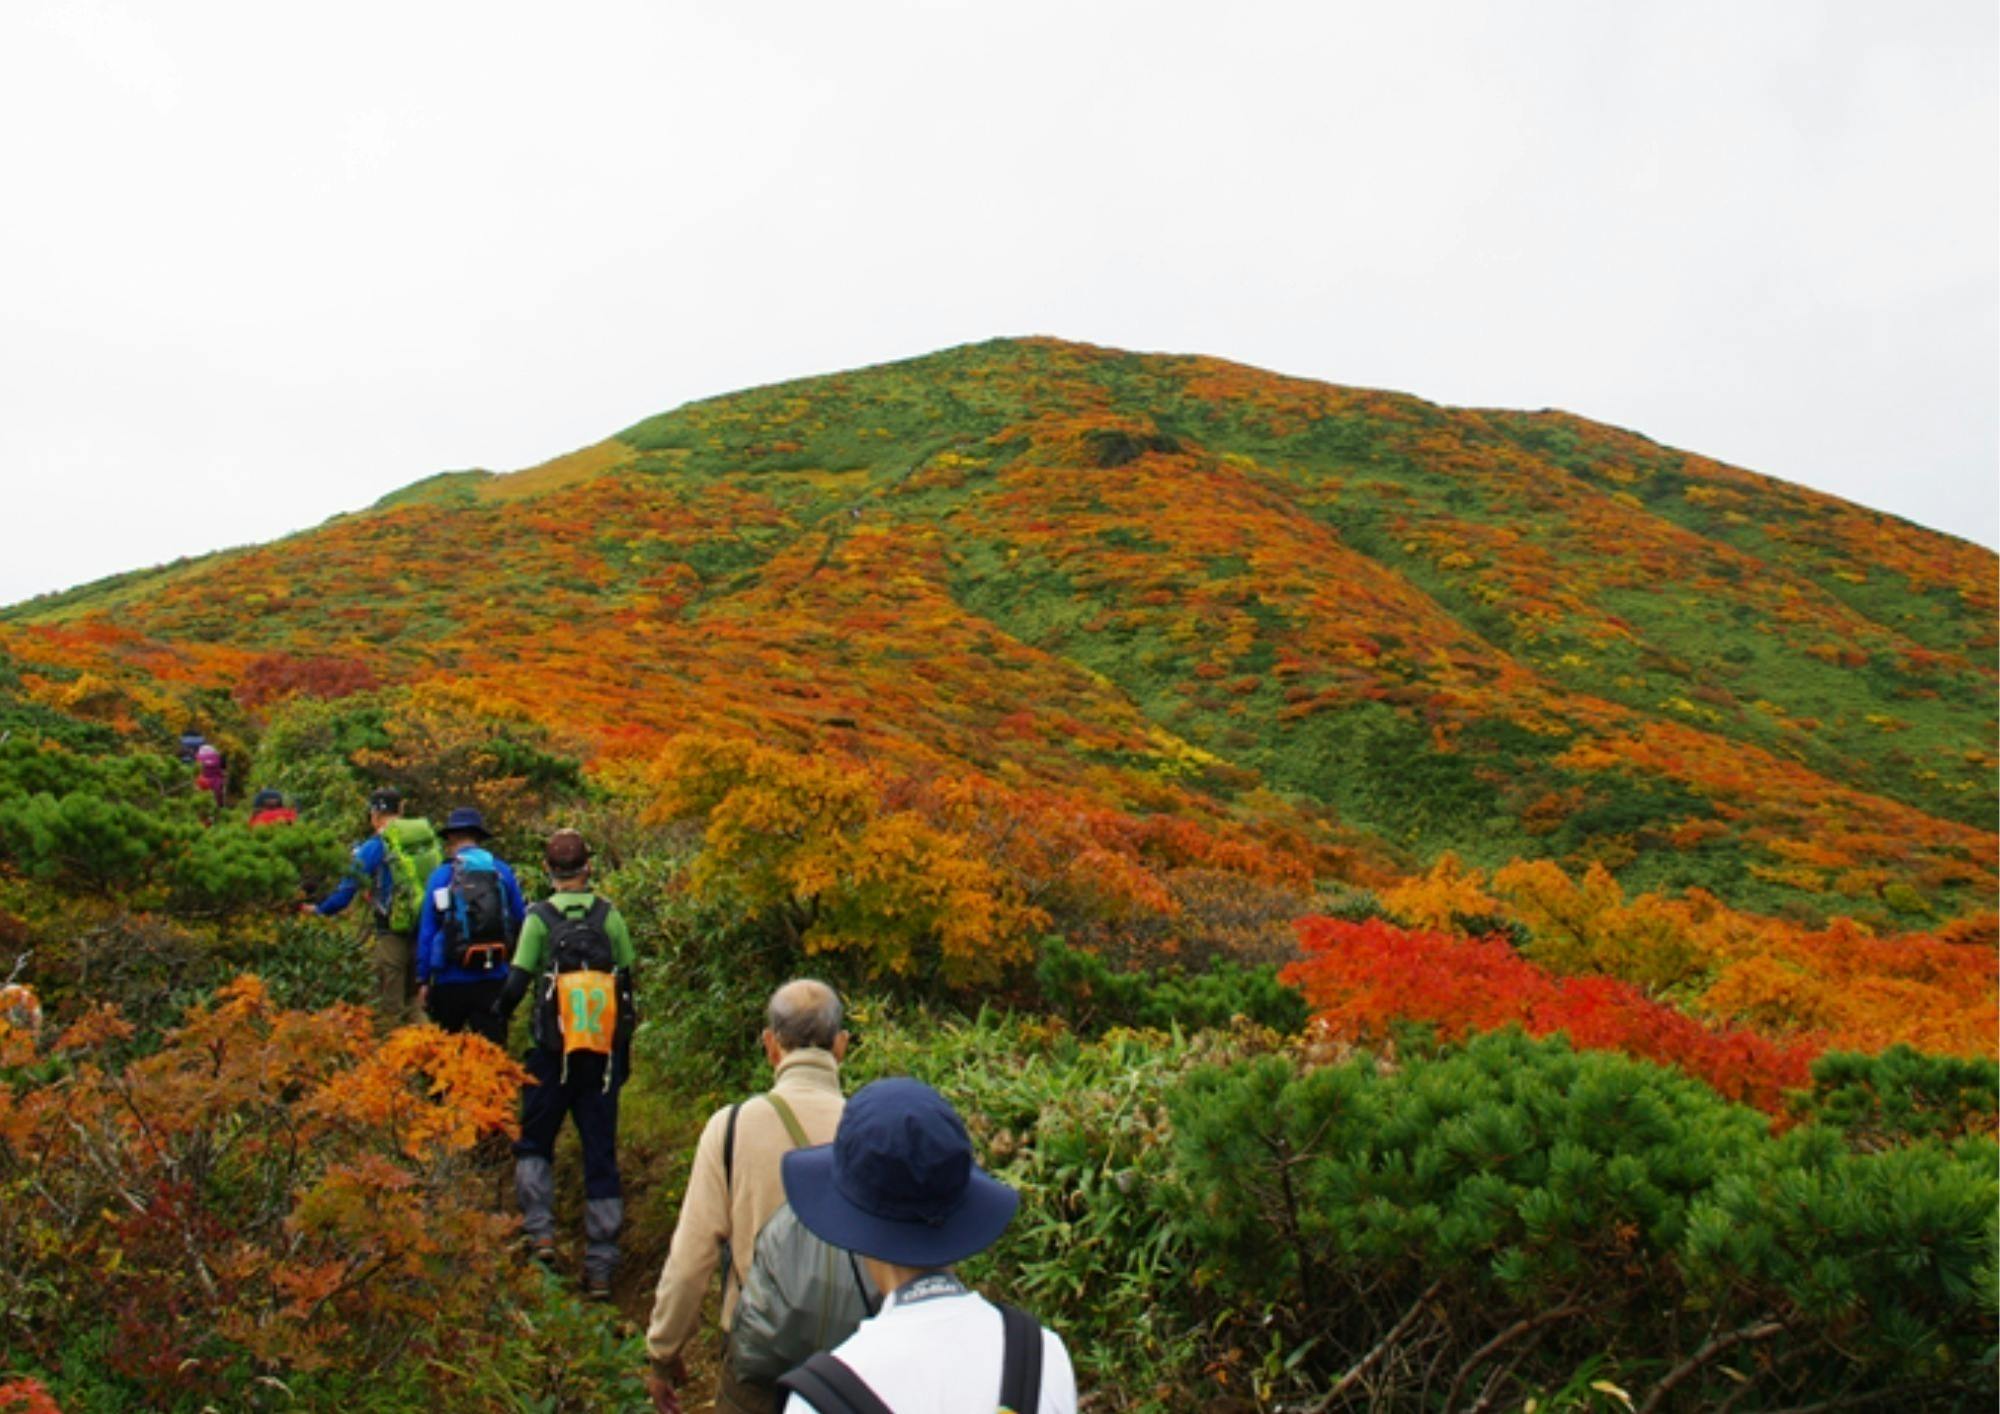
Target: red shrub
[{"x": 1360, "y": 977}]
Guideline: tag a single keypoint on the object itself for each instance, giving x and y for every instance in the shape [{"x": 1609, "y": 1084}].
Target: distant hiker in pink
[{"x": 209, "y": 773}]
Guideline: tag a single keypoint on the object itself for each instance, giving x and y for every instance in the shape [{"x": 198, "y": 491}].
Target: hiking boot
[
  {"x": 542, "y": 1251},
  {"x": 596, "y": 1287}
]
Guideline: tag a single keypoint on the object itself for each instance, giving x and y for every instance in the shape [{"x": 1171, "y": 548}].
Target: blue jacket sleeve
[
  {"x": 430, "y": 926},
  {"x": 365, "y": 859}
]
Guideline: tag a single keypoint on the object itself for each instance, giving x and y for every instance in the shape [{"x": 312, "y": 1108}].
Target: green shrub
[
  {"x": 306, "y": 964},
  {"x": 1083, "y": 990},
  {"x": 1099, "y": 1248},
  {"x": 1902, "y": 1095},
  {"x": 1223, "y": 1217},
  {"x": 705, "y": 976},
  {"x": 130, "y": 828},
  {"x": 1485, "y": 1221}
]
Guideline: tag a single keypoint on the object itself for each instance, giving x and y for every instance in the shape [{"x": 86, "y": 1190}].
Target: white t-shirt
[{"x": 941, "y": 1355}]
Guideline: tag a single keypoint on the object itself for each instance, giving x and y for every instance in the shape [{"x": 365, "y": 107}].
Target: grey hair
[{"x": 804, "y": 1012}]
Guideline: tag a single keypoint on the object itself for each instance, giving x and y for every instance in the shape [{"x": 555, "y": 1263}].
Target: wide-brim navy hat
[
  {"x": 898, "y": 1182},
  {"x": 467, "y": 821}
]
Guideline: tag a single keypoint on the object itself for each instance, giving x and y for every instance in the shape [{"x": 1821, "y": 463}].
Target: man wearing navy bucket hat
[
  {"x": 471, "y": 915},
  {"x": 898, "y": 1187}
]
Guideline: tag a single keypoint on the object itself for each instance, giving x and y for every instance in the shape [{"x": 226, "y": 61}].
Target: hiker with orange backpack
[
  {"x": 575, "y": 952},
  {"x": 472, "y": 913}
]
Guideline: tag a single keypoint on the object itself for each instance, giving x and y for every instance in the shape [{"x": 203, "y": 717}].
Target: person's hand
[
  {"x": 308, "y": 908},
  {"x": 423, "y": 996},
  {"x": 662, "y": 1384}
]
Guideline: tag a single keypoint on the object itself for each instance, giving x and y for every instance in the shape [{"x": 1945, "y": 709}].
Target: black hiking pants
[
  {"x": 582, "y": 1096},
  {"x": 468, "y": 1006}
]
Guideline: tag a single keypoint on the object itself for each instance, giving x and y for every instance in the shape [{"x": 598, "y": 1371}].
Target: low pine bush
[{"x": 1234, "y": 1219}]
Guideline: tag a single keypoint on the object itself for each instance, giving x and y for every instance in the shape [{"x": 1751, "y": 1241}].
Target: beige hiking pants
[{"x": 395, "y": 958}]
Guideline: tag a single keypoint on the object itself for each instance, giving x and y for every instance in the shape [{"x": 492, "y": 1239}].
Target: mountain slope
[{"x": 1178, "y": 584}]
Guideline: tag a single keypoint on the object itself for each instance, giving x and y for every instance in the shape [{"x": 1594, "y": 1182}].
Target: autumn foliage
[
  {"x": 1046, "y": 673},
  {"x": 1168, "y": 586},
  {"x": 1841, "y": 983},
  {"x": 26, "y": 1397},
  {"x": 269, "y": 1194},
  {"x": 1362, "y": 978}
]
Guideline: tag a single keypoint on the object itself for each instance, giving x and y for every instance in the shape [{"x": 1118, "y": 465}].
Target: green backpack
[{"x": 412, "y": 849}]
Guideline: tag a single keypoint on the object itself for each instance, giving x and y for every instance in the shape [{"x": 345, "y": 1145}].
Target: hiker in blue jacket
[
  {"x": 371, "y": 869},
  {"x": 471, "y": 916}
]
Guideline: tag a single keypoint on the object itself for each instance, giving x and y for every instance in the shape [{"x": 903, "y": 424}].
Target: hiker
[
  {"x": 472, "y": 914},
  {"x": 267, "y": 807},
  {"x": 191, "y": 741},
  {"x": 734, "y": 1188},
  {"x": 392, "y": 863},
  {"x": 209, "y": 772},
  {"x": 898, "y": 1186},
  {"x": 576, "y": 952},
  {"x": 20, "y": 1008}
]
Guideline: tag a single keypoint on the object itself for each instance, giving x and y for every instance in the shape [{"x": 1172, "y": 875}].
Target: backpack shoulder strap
[
  {"x": 547, "y": 912},
  {"x": 600, "y": 911},
  {"x": 1020, "y": 1361},
  {"x": 791, "y": 1121},
  {"x": 728, "y": 1193},
  {"x": 832, "y": 1388}
]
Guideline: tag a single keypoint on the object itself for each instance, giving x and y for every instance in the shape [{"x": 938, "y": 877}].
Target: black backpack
[
  {"x": 476, "y": 924},
  {"x": 831, "y": 1387},
  {"x": 578, "y": 944}
]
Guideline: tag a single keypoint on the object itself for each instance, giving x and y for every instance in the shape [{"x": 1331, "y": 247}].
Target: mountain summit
[{"x": 1146, "y": 581}]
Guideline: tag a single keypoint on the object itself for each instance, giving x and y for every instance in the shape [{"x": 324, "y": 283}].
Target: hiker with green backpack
[
  {"x": 391, "y": 865},
  {"x": 735, "y": 1202}
]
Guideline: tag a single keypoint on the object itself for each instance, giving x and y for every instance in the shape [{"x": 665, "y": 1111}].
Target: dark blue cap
[
  {"x": 898, "y": 1182},
  {"x": 466, "y": 821}
]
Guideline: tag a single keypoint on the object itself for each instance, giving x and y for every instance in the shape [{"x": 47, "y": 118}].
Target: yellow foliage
[
  {"x": 807, "y": 842},
  {"x": 1431, "y": 901},
  {"x": 1586, "y": 926}
]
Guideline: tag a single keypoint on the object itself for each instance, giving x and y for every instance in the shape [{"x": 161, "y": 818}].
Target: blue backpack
[{"x": 477, "y": 938}]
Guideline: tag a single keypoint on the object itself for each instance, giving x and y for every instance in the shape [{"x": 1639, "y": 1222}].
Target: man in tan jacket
[{"x": 736, "y": 1185}]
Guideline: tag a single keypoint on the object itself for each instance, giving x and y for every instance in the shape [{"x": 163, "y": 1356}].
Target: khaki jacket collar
[{"x": 808, "y": 1068}]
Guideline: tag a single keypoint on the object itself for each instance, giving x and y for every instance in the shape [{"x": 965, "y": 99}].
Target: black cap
[{"x": 386, "y": 802}]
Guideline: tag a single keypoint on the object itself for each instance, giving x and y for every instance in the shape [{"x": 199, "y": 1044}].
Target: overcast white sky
[{"x": 262, "y": 263}]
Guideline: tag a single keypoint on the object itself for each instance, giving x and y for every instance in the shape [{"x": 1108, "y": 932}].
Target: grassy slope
[{"x": 1136, "y": 577}]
